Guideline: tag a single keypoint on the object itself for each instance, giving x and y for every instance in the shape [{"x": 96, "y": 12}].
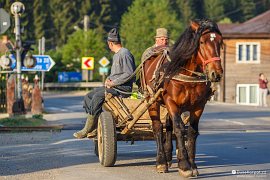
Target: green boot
[{"x": 89, "y": 126}]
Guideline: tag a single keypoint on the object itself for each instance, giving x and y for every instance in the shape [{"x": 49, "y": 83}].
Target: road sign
[
  {"x": 4, "y": 21},
  {"x": 103, "y": 70},
  {"x": 44, "y": 63},
  {"x": 69, "y": 77},
  {"x": 104, "y": 62},
  {"x": 88, "y": 63}
]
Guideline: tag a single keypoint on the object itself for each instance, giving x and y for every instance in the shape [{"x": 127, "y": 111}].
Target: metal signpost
[
  {"x": 41, "y": 49},
  {"x": 103, "y": 71}
]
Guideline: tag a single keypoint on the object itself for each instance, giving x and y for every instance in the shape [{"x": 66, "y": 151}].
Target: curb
[{"x": 32, "y": 128}]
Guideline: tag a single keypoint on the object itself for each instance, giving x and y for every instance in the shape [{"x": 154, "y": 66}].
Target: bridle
[{"x": 205, "y": 62}]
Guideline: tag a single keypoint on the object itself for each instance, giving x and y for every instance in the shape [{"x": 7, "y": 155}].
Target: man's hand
[{"x": 108, "y": 83}]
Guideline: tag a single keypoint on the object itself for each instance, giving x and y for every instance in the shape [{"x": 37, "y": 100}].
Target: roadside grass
[{"x": 20, "y": 121}]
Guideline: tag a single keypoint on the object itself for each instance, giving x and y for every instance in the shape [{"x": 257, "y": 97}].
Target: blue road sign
[
  {"x": 69, "y": 77},
  {"x": 44, "y": 63}
]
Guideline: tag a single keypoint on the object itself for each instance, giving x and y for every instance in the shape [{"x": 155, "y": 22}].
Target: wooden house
[{"x": 246, "y": 53}]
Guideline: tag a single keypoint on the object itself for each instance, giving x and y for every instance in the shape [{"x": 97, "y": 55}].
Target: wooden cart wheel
[{"x": 107, "y": 141}]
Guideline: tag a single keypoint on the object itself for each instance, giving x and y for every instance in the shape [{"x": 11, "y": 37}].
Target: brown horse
[{"x": 194, "y": 64}]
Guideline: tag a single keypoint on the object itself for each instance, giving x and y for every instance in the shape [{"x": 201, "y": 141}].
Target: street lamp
[{"x": 17, "y": 9}]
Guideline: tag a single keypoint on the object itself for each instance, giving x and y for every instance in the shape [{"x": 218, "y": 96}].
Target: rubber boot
[{"x": 88, "y": 127}]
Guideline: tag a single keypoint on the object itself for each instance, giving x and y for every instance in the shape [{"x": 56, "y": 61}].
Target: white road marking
[{"x": 235, "y": 122}]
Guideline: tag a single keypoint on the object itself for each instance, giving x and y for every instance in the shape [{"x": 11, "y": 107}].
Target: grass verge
[{"x": 20, "y": 121}]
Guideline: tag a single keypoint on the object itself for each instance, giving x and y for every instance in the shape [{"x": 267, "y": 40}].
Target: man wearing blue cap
[{"x": 123, "y": 66}]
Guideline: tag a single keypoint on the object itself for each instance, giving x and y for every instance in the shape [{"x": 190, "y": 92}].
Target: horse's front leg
[
  {"x": 154, "y": 112},
  {"x": 179, "y": 130},
  {"x": 192, "y": 134},
  {"x": 168, "y": 146}
]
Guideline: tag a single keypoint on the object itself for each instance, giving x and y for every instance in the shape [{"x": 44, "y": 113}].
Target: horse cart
[{"x": 124, "y": 119}]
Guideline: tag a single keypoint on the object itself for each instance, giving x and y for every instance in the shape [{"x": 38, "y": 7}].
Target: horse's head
[{"x": 208, "y": 54}]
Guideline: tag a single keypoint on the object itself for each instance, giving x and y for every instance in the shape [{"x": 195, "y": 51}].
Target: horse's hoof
[
  {"x": 162, "y": 168},
  {"x": 185, "y": 174},
  {"x": 169, "y": 164},
  {"x": 195, "y": 172}
]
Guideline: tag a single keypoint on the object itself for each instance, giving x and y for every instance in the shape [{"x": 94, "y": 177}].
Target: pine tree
[
  {"x": 232, "y": 10},
  {"x": 213, "y": 9},
  {"x": 64, "y": 16},
  {"x": 184, "y": 11},
  {"x": 99, "y": 12},
  {"x": 198, "y": 8},
  {"x": 248, "y": 8},
  {"x": 119, "y": 7},
  {"x": 138, "y": 25},
  {"x": 40, "y": 16},
  {"x": 262, "y": 5}
]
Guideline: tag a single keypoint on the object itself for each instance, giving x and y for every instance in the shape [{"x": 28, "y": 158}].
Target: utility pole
[
  {"x": 17, "y": 8},
  {"x": 86, "y": 22}
]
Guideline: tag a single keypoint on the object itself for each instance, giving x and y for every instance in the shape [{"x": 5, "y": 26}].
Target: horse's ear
[{"x": 194, "y": 26}]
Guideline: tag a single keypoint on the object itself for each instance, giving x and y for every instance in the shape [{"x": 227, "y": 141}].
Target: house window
[
  {"x": 240, "y": 54},
  {"x": 247, "y": 52},
  {"x": 247, "y": 94}
]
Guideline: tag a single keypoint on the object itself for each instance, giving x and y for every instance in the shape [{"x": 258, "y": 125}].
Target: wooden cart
[{"x": 123, "y": 119}]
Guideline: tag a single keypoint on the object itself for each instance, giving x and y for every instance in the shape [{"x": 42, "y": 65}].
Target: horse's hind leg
[
  {"x": 192, "y": 135},
  {"x": 154, "y": 111},
  {"x": 168, "y": 146}
]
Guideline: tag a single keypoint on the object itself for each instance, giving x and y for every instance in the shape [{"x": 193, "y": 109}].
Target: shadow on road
[
  {"x": 215, "y": 152},
  {"x": 33, "y": 152}
]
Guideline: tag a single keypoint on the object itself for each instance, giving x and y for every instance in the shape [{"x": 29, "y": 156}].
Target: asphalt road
[
  {"x": 216, "y": 116},
  {"x": 234, "y": 143}
]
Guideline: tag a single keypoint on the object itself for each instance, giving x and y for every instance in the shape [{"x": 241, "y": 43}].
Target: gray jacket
[{"x": 122, "y": 68}]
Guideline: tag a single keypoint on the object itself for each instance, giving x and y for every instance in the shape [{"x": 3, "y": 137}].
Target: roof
[{"x": 258, "y": 26}]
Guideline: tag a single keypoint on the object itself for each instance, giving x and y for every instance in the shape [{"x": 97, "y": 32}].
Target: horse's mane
[{"x": 187, "y": 45}]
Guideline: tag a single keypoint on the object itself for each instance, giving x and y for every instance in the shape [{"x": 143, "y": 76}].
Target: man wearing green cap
[{"x": 123, "y": 66}]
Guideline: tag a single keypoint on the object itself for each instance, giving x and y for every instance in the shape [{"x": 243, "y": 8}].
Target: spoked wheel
[{"x": 106, "y": 139}]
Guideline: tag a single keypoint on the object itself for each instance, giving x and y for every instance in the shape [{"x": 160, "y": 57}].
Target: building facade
[{"x": 246, "y": 53}]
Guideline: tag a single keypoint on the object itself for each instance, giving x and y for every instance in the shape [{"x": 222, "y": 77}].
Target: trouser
[
  {"x": 93, "y": 101},
  {"x": 262, "y": 97}
]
